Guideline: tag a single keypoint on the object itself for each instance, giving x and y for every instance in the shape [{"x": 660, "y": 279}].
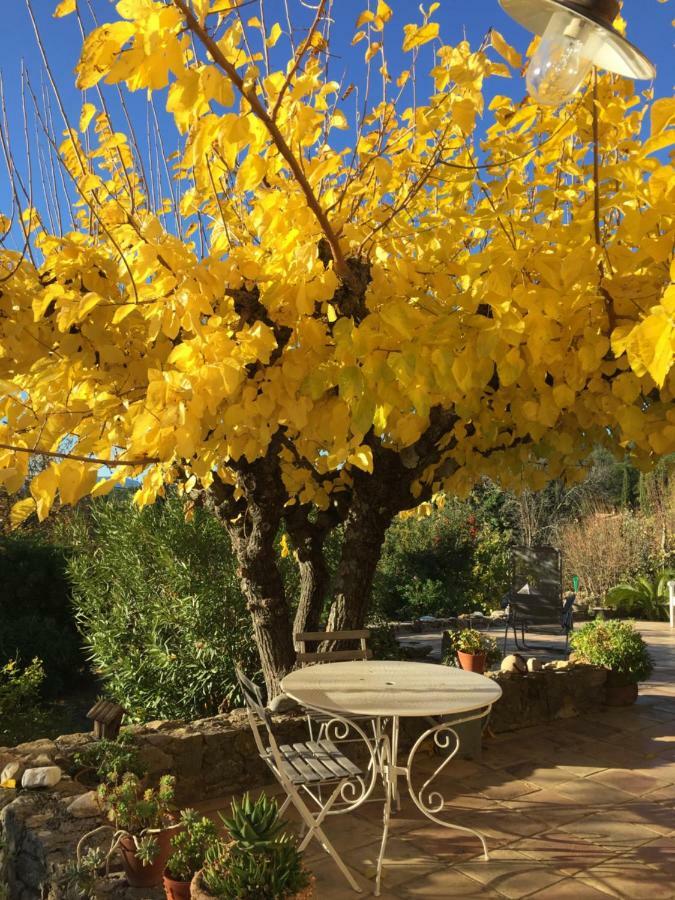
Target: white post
[{"x": 671, "y": 589}]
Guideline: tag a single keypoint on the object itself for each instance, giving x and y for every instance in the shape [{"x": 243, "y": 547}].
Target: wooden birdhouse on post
[{"x": 107, "y": 718}]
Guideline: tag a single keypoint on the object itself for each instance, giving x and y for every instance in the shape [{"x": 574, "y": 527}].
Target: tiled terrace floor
[{"x": 580, "y": 810}]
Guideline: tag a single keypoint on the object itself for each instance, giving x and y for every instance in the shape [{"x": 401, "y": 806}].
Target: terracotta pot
[
  {"x": 199, "y": 892},
  {"x": 138, "y": 874},
  {"x": 175, "y": 890},
  {"x": 619, "y": 690},
  {"x": 472, "y": 662}
]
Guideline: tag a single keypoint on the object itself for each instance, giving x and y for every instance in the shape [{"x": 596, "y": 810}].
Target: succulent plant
[
  {"x": 261, "y": 863},
  {"x": 254, "y": 824}
]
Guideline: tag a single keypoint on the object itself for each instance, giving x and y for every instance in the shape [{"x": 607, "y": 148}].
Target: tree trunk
[
  {"x": 308, "y": 538},
  {"x": 263, "y": 588},
  {"x": 365, "y": 527},
  {"x": 252, "y": 522}
]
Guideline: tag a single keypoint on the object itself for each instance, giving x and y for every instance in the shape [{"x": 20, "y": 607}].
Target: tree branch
[{"x": 259, "y": 110}]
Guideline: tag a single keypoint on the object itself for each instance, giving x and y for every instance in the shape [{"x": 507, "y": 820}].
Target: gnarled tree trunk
[{"x": 252, "y": 523}]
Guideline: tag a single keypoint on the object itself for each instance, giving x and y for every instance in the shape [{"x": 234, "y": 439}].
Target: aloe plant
[{"x": 642, "y": 596}]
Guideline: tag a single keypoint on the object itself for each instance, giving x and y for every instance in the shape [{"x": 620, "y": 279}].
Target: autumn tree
[{"x": 355, "y": 293}]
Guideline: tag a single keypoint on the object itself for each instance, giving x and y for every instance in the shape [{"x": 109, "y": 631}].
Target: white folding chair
[{"x": 303, "y": 769}]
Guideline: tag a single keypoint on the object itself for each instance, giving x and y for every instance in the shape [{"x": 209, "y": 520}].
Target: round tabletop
[{"x": 384, "y": 688}]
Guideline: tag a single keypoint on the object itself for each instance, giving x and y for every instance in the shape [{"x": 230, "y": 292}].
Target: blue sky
[{"x": 649, "y": 25}]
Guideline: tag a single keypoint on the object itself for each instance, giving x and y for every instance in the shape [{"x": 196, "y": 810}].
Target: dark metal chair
[{"x": 535, "y": 600}]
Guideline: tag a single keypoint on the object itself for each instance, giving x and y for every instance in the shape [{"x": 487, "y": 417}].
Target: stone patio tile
[
  {"x": 592, "y": 728},
  {"x": 539, "y": 775},
  {"x": 498, "y": 756},
  {"x": 403, "y": 862},
  {"x": 445, "y": 844},
  {"x": 330, "y": 883},
  {"x": 547, "y": 806},
  {"x": 502, "y": 787},
  {"x": 657, "y": 816},
  {"x": 447, "y": 883},
  {"x": 345, "y": 833},
  {"x": 622, "y": 878},
  {"x": 659, "y": 853},
  {"x": 663, "y": 793},
  {"x": 504, "y": 826},
  {"x": 511, "y": 874},
  {"x": 570, "y": 889},
  {"x": 471, "y": 802},
  {"x": 564, "y": 851},
  {"x": 608, "y": 830},
  {"x": 589, "y": 794},
  {"x": 631, "y": 782}
]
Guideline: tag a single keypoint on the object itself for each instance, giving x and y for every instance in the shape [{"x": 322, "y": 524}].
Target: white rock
[
  {"x": 40, "y": 761},
  {"x": 12, "y": 770},
  {"x": 534, "y": 665},
  {"x": 514, "y": 663},
  {"x": 42, "y": 777},
  {"x": 282, "y": 703},
  {"x": 85, "y": 806}
]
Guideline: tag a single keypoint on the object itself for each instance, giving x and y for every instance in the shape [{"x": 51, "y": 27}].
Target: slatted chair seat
[{"x": 316, "y": 762}]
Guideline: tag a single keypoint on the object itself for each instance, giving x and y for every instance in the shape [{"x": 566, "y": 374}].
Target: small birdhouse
[{"x": 107, "y": 718}]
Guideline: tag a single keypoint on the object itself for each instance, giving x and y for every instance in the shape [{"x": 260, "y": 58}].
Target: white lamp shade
[{"x": 616, "y": 54}]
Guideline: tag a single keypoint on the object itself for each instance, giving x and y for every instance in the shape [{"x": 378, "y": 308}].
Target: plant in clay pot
[
  {"x": 471, "y": 650},
  {"x": 259, "y": 863},
  {"x": 189, "y": 848},
  {"x": 141, "y": 818},
  {"x": 618, "y": 647}
]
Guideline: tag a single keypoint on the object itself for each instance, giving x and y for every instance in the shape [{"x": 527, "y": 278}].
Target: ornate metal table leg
[
  {"x": 430, "y": 802},
  {"x": 387, "y": 765}
]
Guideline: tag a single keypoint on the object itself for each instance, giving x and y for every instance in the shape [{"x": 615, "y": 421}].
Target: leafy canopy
[{"x": 337, "y": 275}]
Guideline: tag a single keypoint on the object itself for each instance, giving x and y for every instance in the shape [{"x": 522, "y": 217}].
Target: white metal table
[{"x": 386, "y": 692}]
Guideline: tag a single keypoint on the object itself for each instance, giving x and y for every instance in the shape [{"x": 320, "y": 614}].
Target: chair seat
[{"x": 313, "y": 762}]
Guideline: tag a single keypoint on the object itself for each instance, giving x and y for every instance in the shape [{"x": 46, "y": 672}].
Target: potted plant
[
  {"x": 470, "y": 649},
  {"x": 141, "y": 818},
  {"x": 618, "y": 647},
  {"x": 259, "y": 862},
  {"x": 189, "y": 848}
]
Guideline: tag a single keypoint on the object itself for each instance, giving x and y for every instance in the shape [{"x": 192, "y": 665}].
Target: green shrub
[
  {"x": 615, "y": 645},
  {"x": 643, "y": 597},
  {"x": 159, "y": 607},
  {"x": 35, "y": 609},
  {"x": 21, "y": 710},
  {"x": 454, "y": 560},
  {"x": 111, "y": 759}
]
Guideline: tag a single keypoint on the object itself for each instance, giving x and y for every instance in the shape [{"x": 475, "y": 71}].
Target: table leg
[
  {"x": 429, "y": 801},
  {"x": 387, "y": 773}
]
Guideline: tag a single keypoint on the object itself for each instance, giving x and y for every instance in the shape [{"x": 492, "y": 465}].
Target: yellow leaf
[
  {"x": 362, "y": 458},
  {"x": 663, "y": 115},
  {"x": 383, "y": 11},
  {"x": 416, "y": 35},
  {"x": 87, "y": 114},
  {"x": 64, "y": 8},
  {"x": 21, "y": 511},
  {"x": 76, "y": 479},
  {"x": 274, "y": 35},
  {"x": 505, "y": 50},
  {"x": 365, "y": 17},
  {"x": 43, "y": 488}
]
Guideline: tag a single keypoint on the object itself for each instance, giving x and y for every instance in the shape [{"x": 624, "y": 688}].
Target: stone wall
[{"x": 211, "y": 758}]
